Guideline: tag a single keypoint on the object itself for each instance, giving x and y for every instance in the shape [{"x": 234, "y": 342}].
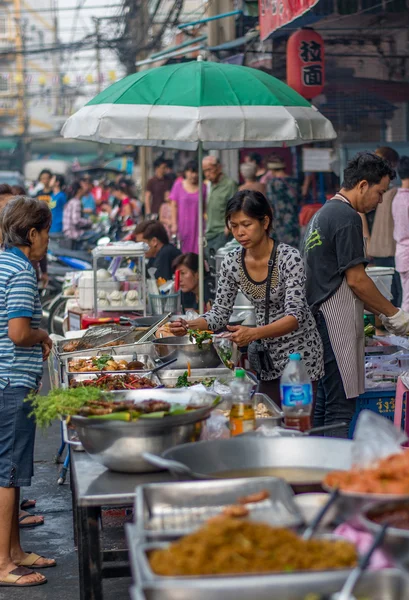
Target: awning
[{"x": 241, "y": 41}]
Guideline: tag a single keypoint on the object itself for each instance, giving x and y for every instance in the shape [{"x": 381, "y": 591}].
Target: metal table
[{"x": 93, "y": 486}]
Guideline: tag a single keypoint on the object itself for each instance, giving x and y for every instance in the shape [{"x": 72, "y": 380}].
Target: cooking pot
[
  {"x": 186, "y": 351},
  {"x": 302, "y": 461}
]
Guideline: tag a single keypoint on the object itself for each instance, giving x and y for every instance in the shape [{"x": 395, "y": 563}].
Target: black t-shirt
[
  {"x": 188, "y": 299},
  {"x": 163, "y": 261},
  {"x": 44, "y": 196},
  {"x": 333, "y": 243}
]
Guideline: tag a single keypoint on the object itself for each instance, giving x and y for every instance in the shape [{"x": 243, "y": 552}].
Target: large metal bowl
[
  {"x": 351, "y": 504},
  {"x": 119, "y": 446},
  {"x": 185, "y": 352},
  {"x": 396, "y": 541}
]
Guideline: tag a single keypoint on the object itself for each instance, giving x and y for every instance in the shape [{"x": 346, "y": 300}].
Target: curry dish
[
  {"x": 226, "y": 546},
  {"x": 389, "y": 476}
]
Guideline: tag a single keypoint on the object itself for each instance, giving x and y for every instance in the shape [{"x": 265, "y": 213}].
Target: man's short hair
[
  {"x": 366, "y": 166},
  {"x": 156, "y": 230},
  {"x": 388, "y": 154}
]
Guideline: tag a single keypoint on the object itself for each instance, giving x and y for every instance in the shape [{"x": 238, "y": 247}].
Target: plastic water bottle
[
  {"x": 296, "y": 394},
  {"x": 242, "y": 413}
]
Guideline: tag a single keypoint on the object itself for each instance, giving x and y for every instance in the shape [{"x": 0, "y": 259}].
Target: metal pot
[
  {"x": 185, "y": 351},
  {"x": 396, "y": 541},
  {"x": 245, "y": 456},
  {"x": 119, "y": 446}
]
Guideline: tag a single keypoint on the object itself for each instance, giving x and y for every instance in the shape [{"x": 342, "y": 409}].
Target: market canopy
[{"x": 218, "y": 104}]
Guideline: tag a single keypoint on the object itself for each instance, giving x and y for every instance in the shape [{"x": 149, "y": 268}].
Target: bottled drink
[
  {"x": 296, "y": 394},
  {"x": 242, "y": 413}
]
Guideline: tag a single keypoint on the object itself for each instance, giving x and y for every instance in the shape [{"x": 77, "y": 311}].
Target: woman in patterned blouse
[{"x": 291, "y": 326}]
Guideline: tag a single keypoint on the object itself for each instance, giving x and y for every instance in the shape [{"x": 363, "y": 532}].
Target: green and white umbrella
[{"x": 199, "y": 105}]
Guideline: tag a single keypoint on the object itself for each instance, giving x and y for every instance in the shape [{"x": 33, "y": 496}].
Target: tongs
[{"x": 154, "y": 328}]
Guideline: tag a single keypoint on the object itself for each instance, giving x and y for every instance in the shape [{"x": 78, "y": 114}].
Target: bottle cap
[
  {"x": 295, "y": 356},
  {"x": 241, "y": 373}
]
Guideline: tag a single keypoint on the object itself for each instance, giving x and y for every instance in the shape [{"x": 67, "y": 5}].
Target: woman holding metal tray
[{"x": 271, "y": 275}]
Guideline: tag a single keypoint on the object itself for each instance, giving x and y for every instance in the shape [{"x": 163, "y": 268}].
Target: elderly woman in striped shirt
[{"x": 24, "y": 346}]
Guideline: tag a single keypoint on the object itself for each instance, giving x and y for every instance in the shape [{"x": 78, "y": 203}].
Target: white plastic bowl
[{"x": 309, "y": 505}]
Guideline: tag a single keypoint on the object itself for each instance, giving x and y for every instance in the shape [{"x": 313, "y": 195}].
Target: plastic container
[
  {"x": 242, "y": 413},
  {"x": 86, "y": 289},
  {"x": 296, "y": 394},
  {"x": 381, "y": 402},
  {"x": 382, "y": 278},
  {"x": 164, "y": 303}
]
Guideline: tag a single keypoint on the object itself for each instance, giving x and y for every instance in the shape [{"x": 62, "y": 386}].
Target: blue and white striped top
[{"x": 19, "y": 366}]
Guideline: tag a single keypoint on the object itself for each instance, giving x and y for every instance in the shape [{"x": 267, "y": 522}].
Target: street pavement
[{"x": 55, "y": 538}]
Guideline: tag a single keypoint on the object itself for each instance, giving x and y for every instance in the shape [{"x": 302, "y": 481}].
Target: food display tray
[
  {"x": 169, "y": 377},
  {"x": 85, "y": 376},
  {"x": 126, "y": 348},
  {"x": 147, "y": 360},
  {"x": 169, "y": 510},
  {"x": 388, "y": 584}
]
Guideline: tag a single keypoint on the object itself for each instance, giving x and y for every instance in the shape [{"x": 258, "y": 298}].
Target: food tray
[
  {"x": 169, "y": 377},
  {"x": 388, "y": 584},
  {"x": 277, "y": 414},
  {"x": 148, "y": 361},
  {"x": 175, "y": 509},
  {"x": 84, "y": 376},
  {"x": 126, "y": 348}
]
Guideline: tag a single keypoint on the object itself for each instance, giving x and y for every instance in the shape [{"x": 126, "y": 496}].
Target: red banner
[{"x": 274, "y": 14}]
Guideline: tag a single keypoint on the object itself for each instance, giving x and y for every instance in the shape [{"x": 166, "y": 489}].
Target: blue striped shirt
[{"x": 19, "y": 297}]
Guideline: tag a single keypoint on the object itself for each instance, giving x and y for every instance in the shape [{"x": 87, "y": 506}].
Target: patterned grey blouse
[{"x": 287, "y": 298}]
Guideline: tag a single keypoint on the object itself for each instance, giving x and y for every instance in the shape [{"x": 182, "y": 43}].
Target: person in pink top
[
  {"x": 400, "y": 213},
  {"x": 184, "y": 197}
]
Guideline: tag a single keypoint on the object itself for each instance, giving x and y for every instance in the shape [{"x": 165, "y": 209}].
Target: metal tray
[
  {"x": 388, "y": 584},
  {"x": 169, "y": 377},
  {"x": 148, "y": 361},
  {"x": 85, "y": 376},
  {"x": 175, "y": 509},
  {"x": 131, "y": 341}
]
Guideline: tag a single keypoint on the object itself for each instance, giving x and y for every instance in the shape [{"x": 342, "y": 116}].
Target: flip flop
[
  {"x": 30, "y": 560},
  {"x": 12, "y": 578},
  {"x": 23, "y": 525},
  {"x": 27, "y": 503}
]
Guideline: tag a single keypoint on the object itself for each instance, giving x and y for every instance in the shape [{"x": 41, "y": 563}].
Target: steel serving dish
[
  {"x": 388, "y": 584},
  {"x": 127, "y": 348},
  {"x": 261, "y": 456},
  {"x": 396, "y": 541},
  {"x": 95, "y": 375},
  {"x": 186, "y": 351},
  {"x": 175, "y": 509},
  {"x": 350, "y": 504},
  {"x": 223, "y": 375},
  {"x": 119, "y": 446},
  {"x": 147, "y": 360}
]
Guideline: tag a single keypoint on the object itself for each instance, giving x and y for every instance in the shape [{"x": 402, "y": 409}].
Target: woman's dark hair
[
  {"x": 192, "y": 165},
  {"x": 189, "y": 260},
  {"x": 254, "y": 204},
  {"x": 60, "y": 179},
  {"x": 366, "y": 166},
  {"x": 156, "y": 229},
  {"x": 256, "y": 158},
  {"x": 19, "y": 216},
  {"x": 5, "y": 188},
  {"x": 18, "y": 190},
  {"x": 45, "y": 172},
  {"x": 403, "y": 167},
  {"x": 74, "y": 189}
]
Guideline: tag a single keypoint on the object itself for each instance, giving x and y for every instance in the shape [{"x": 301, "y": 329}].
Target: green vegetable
[
  {"x": 116, "y": 416},
  {"x": 182, "y": 381},
  {"x": 153, "y": 415},
  {"x": 61, "y": 402},
  {"x": 199, "y": 336},
  {"x": 101, "y": 361},
  {"x": 369, "y": 331},
  {"x": 225, "y": 355}
]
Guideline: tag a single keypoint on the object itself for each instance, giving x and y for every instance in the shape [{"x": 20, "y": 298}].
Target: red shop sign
[
  {"x": 274, "y": 14},
  {"x": 305, "y": 63}
]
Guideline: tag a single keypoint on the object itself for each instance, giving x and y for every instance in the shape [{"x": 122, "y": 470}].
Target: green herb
[
  {"x": 226, "y": 357},
  {"x": 199, "y": 336},
  {"x": 101, "y": 361},
  {"x": 182, "y": 381},
  {"x": 61, "y": 402},
  {"x": 369, "y": 331}
]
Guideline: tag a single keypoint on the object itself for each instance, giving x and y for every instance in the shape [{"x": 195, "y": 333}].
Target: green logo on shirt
[{"x": 313, "y": 240}]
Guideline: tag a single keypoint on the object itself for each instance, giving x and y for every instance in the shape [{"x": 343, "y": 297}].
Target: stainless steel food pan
[
  {"x": 175, "y": 509},
  {"x": 86, "y": 376},
  {"x": 388, "y": 584},
  {"x": 146, "y": 359},
  {"x": 127, "y": 347},
  {"x": 185, "y": 351},
  {"x": 169, "y": 377}
]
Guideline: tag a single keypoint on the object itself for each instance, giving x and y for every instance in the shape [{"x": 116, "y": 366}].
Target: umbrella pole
[{"x": 201, "y": 240}]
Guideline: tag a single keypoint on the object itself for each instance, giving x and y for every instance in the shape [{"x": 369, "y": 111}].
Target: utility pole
[
  {"x": 97, "y": 21},
  {"x": 56, "y": 61},
  {"x": 23, "y": 116}
]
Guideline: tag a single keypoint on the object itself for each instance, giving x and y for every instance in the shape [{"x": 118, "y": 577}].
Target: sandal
[
  {"x": 32, "y": 558},
  {"x": 26, "y": 503},
  {"x": 13, "y": 577},
  {"x": 23, "y": 517}
]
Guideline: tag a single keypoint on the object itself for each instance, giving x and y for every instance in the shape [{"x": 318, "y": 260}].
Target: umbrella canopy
[{"x": 217, "y": 104}]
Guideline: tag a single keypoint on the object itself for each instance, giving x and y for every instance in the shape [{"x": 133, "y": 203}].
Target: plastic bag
[
  {"x": 375, "y": 437},
  {"x": 191, "y": 315},
  {"x": 216, "y": 427},
  {"x": 227, "y": 350},
  {"x": 277, "y": 432}
]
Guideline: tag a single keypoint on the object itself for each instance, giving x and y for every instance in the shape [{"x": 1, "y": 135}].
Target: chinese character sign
[
  {"x": 274, "y": 14},
  {"x": 305, "y": 63}
]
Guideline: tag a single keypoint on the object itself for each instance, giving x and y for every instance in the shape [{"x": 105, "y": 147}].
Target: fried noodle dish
[
  {"x": 226, "y": 546},
  {"x": 389, "y": 476}
]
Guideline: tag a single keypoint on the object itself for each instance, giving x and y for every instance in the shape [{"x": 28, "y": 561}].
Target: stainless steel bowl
[
  {"x": 185, "y": 351},
  {"x": 351, "y": 504},
  {"x": 119, "y": 446},
  {"x": 396, "y": 541}
]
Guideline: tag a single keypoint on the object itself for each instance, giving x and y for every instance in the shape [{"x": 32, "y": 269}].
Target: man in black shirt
[
  {"x": 338, "y": 288},
  {"x": 161, "y": 253}
]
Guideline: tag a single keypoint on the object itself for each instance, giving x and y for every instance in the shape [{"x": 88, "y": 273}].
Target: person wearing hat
[{"x": 283, "y": 192}]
